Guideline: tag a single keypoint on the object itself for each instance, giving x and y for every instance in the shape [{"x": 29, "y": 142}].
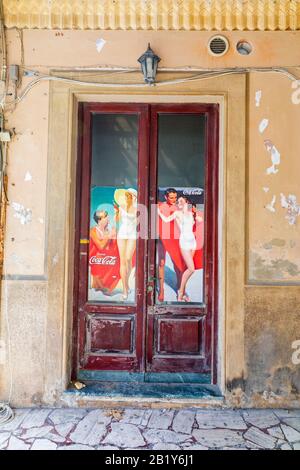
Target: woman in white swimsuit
[
  {"x": 126, "y": 215},
  {"x": 187, "y": 242}
]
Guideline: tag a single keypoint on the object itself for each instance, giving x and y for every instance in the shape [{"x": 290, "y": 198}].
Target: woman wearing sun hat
[{"x": 126, "y": 215}]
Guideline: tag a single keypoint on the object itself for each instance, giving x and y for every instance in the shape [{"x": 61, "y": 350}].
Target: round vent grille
[{"x": 218, "y": 45}]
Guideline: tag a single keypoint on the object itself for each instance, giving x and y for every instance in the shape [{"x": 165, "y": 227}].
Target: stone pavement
[{"x": 151, "y": 429}]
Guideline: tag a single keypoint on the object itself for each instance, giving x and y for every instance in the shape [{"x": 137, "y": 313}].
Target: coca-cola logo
[{"x": 107, "y": 260}]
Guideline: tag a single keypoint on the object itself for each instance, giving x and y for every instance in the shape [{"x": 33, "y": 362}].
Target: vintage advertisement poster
[
  {"x": 113, "y": 234},
  {"x": 180, "y": 242}
]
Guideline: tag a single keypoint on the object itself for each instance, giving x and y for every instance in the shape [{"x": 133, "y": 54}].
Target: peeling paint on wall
[
  {"x": 100, "y": 43},
  {"x": 293, "y": 208},
  {"x": 274, "y": 242},
  {"x": 296, "y": 354},
  {"x": 275, "y": 269},
  {"x": 263, "y": 125},
  {"x": 55, "y": 259},
  {"x": 2, "y": 352},
  {"x": 28, "y": 176},
  {"x": 21, "y": 213},
  {"x": 275, "y": 157},
  {"x": 271, "y": 206},
  {"x": 258, "y": 96}
]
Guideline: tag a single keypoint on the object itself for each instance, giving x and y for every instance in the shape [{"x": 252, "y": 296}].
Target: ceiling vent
[{"x": 218, "y": 46}]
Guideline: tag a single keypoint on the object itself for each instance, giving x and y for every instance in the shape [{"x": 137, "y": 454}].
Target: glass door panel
[
  {"x": 113, "y": 208},
  {"x": 181, "y": 205}
]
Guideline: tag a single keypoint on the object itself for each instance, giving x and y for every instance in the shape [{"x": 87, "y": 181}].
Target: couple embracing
[{"x": 180, "y": 227}]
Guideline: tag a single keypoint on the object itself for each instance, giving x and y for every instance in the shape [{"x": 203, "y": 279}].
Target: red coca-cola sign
[{"x": 106, "y": 260}]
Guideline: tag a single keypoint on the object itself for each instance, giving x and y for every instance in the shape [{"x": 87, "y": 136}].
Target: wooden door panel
[
  {"x": 177, "y": 345},
  {"x": 109, "y": 334},
  {"x": 180, "y": 336},
  {"x": 177, "y": 336}
]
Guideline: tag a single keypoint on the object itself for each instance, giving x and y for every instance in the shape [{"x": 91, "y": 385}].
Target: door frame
[
  {"x": 85, "y": 110},
  {"x": 230, "y": 92}
]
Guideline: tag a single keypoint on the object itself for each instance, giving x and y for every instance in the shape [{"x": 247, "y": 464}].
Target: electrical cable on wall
[
  {"x": 203, "y": 74},
  {"x": 6, "y": 412}
]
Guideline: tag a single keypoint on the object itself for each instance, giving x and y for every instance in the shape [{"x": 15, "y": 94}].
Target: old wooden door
[{"x": 145, "y": 284}]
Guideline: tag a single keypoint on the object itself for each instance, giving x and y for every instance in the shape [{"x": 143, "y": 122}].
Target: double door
[{"x": 145, "y": 283}]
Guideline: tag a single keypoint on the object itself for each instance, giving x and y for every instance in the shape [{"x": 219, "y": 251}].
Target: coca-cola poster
[
  {"x": 179, "y": 252},
  {"x": 112, "y": 245}
]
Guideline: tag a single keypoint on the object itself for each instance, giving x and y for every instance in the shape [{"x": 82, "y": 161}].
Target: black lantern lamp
[{"x": 149, "y": 62}]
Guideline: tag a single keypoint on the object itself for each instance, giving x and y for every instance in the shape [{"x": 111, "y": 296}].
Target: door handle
[{"x": 151, "y": 280}]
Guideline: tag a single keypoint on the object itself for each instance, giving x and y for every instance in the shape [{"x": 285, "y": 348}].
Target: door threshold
[
  {"x": 141, "y": 377},
  {"x": 144, "y": 394}
]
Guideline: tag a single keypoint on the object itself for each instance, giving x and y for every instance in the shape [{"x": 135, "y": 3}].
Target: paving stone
[
  {"x": 17, "y": 444},
  {"x": 261, "y": 418},
  {"x": 75, "y": 447},
  {"x": 251, "y": 446},
  {"x": 35, "y": 418},
  {"x": 3, "y": 445},
  {"x": 161, "y": 419},
  {"x": 101, "y": 447},
  {"x": 162, "y": 446},
  {"x": 67, "y": 415},
  {"x": 4, "y": 437},
  {"x": 194, "y": 447},
  {"x": 43, "y": 444},
  {"x": 291, "y": 434},
  {"x": 260, "y": 438},
  {"x": 293, "y": 422},
  {"x": 138, "y": 417},
  {"x": 35, "y": 432},
  {"x": 276, "y": 432},
  {"x": 91, "y": 429},
  {"x": 218, "y": 438},
  {"x": 183, "y": 421},
  {"x": 20, "y": 415},
  {"x": 286, "y": 446},
  {"x": 228, "y": 419},
  {"x": 296, "y": 446},
  {"x": 125, "y": 436},
  {"x": 287, "y": 413},
  {"x": 64, "y": 429},
  {"x": 53, "y": 436},
  {"x": 153, "y": 436},
  {"x": 235, "y": 448}
]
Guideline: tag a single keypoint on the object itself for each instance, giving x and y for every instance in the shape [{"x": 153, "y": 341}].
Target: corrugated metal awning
[{"x": 187, "y": 15}]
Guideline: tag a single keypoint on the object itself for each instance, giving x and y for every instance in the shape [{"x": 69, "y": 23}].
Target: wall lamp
[{"x": 149, "y": 62}]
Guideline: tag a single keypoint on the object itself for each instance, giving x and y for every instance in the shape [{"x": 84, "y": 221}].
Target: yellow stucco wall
[{"x": 270, "y": 306}]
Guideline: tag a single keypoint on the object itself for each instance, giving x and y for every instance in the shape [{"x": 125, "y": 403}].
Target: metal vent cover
[{"x": 218, "y": 45}]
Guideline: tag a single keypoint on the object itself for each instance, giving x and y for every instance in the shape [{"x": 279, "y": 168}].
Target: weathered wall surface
[{"x": 271, "y": 312}]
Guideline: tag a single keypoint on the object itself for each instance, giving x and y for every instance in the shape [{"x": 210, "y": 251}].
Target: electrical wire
[
  {"x": 3, "y": 74},
  {"x": 203, "y": 75},
  {"x": 6, "y": 412}
]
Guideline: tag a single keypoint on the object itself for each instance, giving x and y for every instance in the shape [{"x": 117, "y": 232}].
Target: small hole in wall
[{"x": 244, "y": 48}]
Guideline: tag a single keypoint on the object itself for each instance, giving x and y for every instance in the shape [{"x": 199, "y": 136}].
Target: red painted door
[{"x": 145, "y": 282}]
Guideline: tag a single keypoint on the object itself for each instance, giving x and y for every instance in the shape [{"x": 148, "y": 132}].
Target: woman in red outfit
[{"x": 104, "y": 255}]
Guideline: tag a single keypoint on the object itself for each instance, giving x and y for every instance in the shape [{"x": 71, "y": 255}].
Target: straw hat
[{"x": 119, "y": 195}]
